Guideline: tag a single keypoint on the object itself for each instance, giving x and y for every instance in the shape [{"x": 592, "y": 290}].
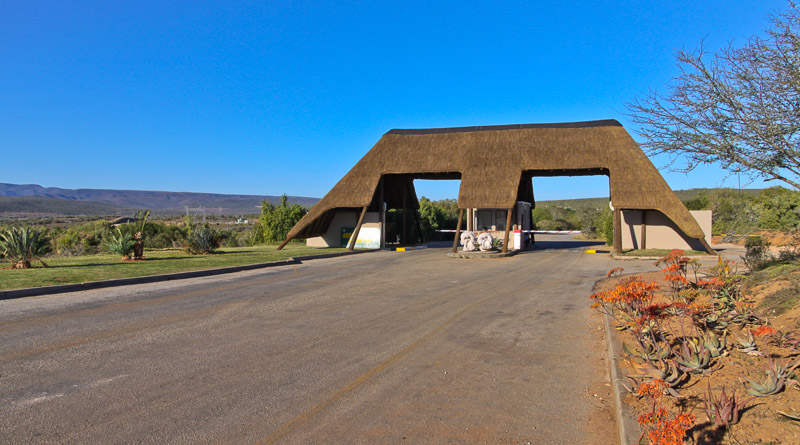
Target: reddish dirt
[{"x": 761, "y": 422}]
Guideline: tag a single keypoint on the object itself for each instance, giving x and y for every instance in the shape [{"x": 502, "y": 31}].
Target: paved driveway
[{"x": 385, "y": 347}]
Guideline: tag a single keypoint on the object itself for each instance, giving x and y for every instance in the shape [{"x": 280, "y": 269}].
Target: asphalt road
[{"x": 384, "y": 347}]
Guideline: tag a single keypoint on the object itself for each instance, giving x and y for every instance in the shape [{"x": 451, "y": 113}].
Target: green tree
[
  {"x": 699, "y": 202},
  {"x": 780, "y": 208},
  {"x": 737, "y": 109},
  {"x": 276, "y": 221},
  {"x": 432, "y": 217},
  {"x": 539, "y": 214}
]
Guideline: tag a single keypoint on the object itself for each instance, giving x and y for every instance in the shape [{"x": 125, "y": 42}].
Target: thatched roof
[{"x": 494, "y": 163}]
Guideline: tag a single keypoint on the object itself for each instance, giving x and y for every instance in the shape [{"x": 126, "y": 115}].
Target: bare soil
[{"x": 761, "y": 421}]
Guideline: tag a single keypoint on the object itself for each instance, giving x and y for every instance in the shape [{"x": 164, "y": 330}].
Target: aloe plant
[
  {"x": 138, "y": 236},
  {"x": 694, "y": 358},
  {"x": 748, "y": 344},
  {"x": 668, "y": 371},
  {"x": 24, "y": 245},
  {"x": 716, "y": 345},
  {"x": 772, "y": 384},
  {"x": 649, "y": 353},
  {"x": 785, "y": 369},
  {"x": 120, "y": 244},
  {"x": 724, "y": 411}
]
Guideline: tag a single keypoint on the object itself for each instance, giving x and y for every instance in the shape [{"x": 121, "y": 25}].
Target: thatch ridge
[
  {"x": 581, "y": 124},
  {"x": 492, "y": 162}
]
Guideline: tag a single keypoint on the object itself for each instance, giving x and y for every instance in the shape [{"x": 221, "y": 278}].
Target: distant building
[{"x": 121, "y": 220}]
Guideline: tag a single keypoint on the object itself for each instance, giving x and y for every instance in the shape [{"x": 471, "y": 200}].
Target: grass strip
[
  {"x": 81, "y": 269},
  {"x": 659, "y": 252}
]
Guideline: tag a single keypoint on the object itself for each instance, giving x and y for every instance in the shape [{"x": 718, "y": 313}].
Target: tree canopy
[
  {"x": 276, "y": 221},
  {"x": 739, "y": 108}
]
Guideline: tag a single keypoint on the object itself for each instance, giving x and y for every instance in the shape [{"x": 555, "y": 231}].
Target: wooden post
[
  {"x": 644, "y": 229},
  {"x": 419, "y": 226},
  {"x": 404, "y": 240},
  {"x": 458, "y": 230},
  {"x": 383, "y": 215},
  {"x": 618, "y": 231},
  {"x": 508, "y": 228},
  {"x": 283, "y": 244},
  {"x": 470, "y": 220},
  {"x": 352, "y": 244}
]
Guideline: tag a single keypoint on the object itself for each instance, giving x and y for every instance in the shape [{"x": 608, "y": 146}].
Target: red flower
[{"x": 763, "y": 330}]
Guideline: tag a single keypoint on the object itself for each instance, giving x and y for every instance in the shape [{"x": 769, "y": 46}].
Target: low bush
[
  {"x": 203, "y": 240},
  {"x": 757, "y": 255},
  {"x": 23, "y": 245},
  {"x": 120, "y": 244}
]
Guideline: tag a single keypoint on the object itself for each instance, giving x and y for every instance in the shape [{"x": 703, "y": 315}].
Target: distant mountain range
[{"x": 32, "y": 199}]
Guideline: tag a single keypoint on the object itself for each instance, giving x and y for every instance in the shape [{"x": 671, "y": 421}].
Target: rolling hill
[{"x": 32, "y": 199}]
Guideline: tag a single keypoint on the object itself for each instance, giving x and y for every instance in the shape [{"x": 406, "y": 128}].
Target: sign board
[
  {"x": 368, "y": 237},
  {"x": 347, "y": 232}
]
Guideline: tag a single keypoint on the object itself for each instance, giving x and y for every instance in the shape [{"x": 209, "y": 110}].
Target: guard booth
[{"x": 494, "y": 222}]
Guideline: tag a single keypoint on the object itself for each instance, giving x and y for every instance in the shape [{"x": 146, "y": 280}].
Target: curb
[
  {"x": 62, "y": 288},
  {"x": 624, "y": 257},
  {"x": 629, "y": 430}
]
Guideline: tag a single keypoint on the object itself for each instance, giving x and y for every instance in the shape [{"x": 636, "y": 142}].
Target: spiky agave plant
[
  {"x": 23, "y": 245},
  {"x": 203, "y": 240},
  {"x": 120, "y": 244}
]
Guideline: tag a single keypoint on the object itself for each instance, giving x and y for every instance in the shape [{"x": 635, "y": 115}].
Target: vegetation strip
[{"x": 49, "y": 290}]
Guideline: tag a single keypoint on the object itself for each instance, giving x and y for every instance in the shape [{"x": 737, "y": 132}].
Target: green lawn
[
  {"x": 105, "y": 267},
  {"x": 659, "y": 252}
]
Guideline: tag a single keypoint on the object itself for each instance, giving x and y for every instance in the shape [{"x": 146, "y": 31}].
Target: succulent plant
[
  {"x": 716, "y": 345},
  {"x": 649, "y": 354},
  {"x": 715, "y": 321},
  {"x": 784, "y": 370},
  {"x": 772, "y": 384},
  {"x": 668, "y": 371},
  {"x": 748, "y": 344},
  {"x": 694, "y": 359},
  {"x": 724, "y": 411}
]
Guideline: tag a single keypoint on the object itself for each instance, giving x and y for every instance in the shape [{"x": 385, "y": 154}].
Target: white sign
[{"x": 369, "y": 238}]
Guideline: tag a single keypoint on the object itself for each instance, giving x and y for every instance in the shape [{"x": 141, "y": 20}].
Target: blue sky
[{"x": 277, "y": 96}]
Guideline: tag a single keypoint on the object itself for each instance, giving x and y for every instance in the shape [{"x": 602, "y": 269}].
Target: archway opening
[
  {"x": 420, "y": 205},
  {"x": 571, "y": 210}
]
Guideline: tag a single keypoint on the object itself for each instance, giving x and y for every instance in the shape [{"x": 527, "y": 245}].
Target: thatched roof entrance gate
[{"x": 495, "y": 165}]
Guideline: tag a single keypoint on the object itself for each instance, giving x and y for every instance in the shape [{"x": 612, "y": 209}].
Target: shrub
[
  {"x": 276, "y": 221},
  {"x": 82, "y": 239},
  {"x": 203, "y": 240},
  {"x": 24, "y": 245},
  {"x": 120, "y": 244},
  {"x": 756, "y": 254}
]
